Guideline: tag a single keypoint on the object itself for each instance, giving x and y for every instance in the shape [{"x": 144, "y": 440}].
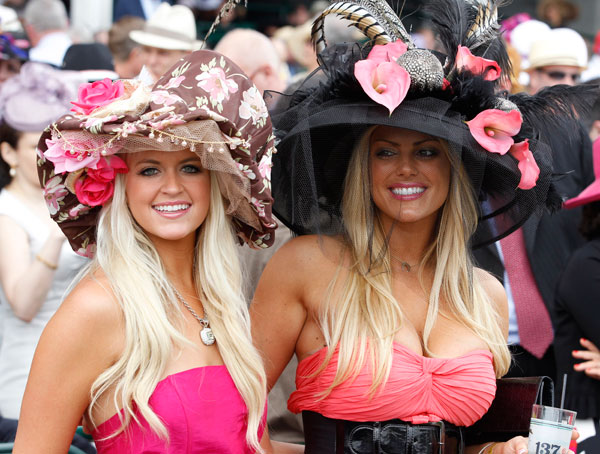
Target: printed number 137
[{"x": 546, "y": 448}]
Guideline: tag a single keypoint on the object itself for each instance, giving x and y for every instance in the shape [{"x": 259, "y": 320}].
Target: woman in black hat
[{"x": 391, "y": 165}]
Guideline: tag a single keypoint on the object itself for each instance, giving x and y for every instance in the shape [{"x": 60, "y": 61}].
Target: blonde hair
[
  {"x": 152, "y": 313},
  {"x": 363, "y": 318}
]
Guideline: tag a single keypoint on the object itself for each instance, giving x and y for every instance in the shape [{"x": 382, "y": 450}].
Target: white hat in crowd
[
  {"x": 524, "y": 34},
  {"x": 170, "y": 27},
  {"x": 559, "y": 46}
]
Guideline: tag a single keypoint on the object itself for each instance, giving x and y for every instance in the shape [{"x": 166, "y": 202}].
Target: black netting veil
[
  {"x": 319, "y": 123},
  {"x": 315, "y": 148}
]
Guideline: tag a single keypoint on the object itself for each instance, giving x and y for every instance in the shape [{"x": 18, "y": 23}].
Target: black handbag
[{"x": 510, "y": 412}]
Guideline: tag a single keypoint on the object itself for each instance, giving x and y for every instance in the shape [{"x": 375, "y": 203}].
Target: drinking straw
[{"x": 564, "y": 388}]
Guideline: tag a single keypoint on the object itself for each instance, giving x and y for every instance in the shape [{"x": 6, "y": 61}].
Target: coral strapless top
[
  {"x": 419, "y": 389},
  {"x": 201, "y": 409}
]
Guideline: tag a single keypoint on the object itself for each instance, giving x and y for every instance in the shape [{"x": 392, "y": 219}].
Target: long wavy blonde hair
[
  {"x": 152, "y": 313},
  {"x": 363, "y": 318}
]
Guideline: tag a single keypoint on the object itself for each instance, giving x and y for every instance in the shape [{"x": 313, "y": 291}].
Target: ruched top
[
  {"x": 202, "y": 411},
  {"x": 419, "y": 389}
]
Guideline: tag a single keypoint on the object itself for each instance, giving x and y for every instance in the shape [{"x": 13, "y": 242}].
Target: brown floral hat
[{"x": 204, "y": 103}]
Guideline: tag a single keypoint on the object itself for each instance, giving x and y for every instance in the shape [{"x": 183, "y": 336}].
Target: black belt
[{"x": 336, "y": 436}]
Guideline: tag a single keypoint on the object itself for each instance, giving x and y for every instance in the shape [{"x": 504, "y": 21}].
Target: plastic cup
[{"x": 550, "y": 430}]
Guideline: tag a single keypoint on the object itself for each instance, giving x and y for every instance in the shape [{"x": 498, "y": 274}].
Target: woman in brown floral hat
[{"x": 151, "y": 349}]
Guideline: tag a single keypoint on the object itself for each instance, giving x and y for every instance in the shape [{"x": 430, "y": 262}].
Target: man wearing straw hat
[
  {"x": 556, "y": 57},
  {"x": 168, "y": 35}
]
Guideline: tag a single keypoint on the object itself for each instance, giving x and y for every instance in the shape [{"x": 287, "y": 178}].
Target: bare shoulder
[
  {"x": 494, "y": 289},
  {"x": 81, "y": 341},
  {"x": 92, "y": 316},
  {"x": 92, "y": 298},
  {"x": 311, "y": 250}
]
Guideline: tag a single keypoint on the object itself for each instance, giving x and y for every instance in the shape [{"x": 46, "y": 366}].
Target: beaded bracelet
[
  {"x": 52, "y": 266},
  {"x": 489, "y": 445}
]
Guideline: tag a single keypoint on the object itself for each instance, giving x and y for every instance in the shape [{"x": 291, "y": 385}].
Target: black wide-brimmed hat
[{"x": 505, "y": 143}]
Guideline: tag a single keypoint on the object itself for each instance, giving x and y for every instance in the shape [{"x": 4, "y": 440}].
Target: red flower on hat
[
  {"x": 381, "y": 78},
  {"x": 97, "y": 94},
  {"x": 98, "y": 186},
  {"x": 494, "y": 129},
  {"x": 477, "y": 65},
  {"x": 527, "y": 165}
]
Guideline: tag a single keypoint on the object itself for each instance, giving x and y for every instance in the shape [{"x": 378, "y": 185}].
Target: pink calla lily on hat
[
  {"x": 387, "y": 52},
  {"x": 494, "y": 129},
  {"x": 527, "y": 165},
  {"x": 477, "y": 65},
  {"x": 381, "y": 78},
  {"x": 385, "y": 83}
]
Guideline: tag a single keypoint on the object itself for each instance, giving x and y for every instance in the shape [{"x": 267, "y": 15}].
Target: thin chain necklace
[
  {"x": 404, "y": 266},
  {"x": 206, "y": 334}
]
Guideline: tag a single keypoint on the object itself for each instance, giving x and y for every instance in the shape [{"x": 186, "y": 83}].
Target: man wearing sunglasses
[{"x": 557, "y": 57}]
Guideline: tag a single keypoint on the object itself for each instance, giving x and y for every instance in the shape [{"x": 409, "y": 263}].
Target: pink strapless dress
[
  {"x": 419, "y": 389},
  {"x": 202, "y": 411}
]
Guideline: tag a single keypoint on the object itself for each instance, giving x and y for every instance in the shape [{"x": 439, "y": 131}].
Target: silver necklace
[
  {"x": 404, "y": 266},
  {"x": 206, "y": 334}
]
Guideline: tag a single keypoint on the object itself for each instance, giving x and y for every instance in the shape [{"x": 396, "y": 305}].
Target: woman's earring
[{"x": 12, "y": 172}]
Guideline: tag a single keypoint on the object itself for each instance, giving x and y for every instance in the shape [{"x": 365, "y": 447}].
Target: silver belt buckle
[{"x": 442, "y": 427}]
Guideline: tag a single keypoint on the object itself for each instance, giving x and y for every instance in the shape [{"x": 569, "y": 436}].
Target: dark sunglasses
[{"x": 560, "y": 75}]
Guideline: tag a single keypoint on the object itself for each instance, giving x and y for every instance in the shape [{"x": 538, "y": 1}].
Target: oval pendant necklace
[
  {"x": 206, "y": 334},
  {"x": 404, "y": 266}
]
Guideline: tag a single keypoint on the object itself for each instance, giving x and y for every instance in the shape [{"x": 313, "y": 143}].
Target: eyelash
[
  {"x": 151, "y": 171},
  {"x": 148, "y": 171},
  {"x": 431, "y": 152},
  {"x": 423, "y": 153}
]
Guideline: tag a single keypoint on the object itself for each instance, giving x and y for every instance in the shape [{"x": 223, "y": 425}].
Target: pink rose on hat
[
  {"x": 98, "y": 186},
  {"x": 97, "y": 94}
]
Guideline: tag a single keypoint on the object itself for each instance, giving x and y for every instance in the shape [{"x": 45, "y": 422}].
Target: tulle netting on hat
[
  {"x": 317, "y": 128},
  {"x": 213, "y": 153}
]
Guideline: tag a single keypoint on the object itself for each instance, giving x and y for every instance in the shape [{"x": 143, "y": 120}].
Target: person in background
[
  {"x": 140, "y": 8},
  {"x": 577, "y": 319},
  {"x": 529, "y": 261},
  {"x": 521, "y": 37},
  {"x": 47, "y": 24},
  {"x": 556, "y": 57},
  {"x": 593, "y": 69},
  {"x": 36, "y": 263},
  {"x": 127, "y": 54},
  {"x": 300, "y": 51},
  {"x": 256, "y": 55},
  {"x": 557, "y": 13},
  {"x": 169, "y": 35},
  {"x": 92, "y": 61},
  {"x": 12, "y": 57}
]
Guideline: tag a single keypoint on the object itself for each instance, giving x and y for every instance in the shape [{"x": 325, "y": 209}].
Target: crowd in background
[{"x": 273, "y": 47}]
